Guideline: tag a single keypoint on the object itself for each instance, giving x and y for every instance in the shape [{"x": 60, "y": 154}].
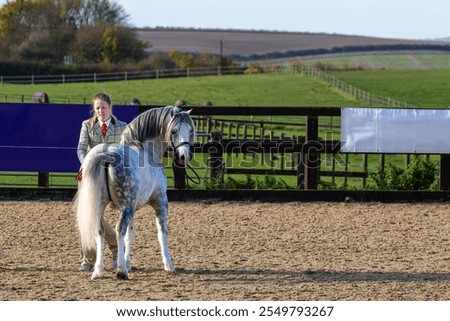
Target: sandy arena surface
[{"x": 238, "y": 251}]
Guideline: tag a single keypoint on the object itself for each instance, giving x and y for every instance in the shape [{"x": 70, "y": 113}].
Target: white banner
[{"x": 391, "y": 130}]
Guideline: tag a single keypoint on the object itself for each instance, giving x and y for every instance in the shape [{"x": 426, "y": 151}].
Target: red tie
[{"x": 104, "y": 129}]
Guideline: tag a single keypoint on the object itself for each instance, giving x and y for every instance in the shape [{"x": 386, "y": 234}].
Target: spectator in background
[
  {"x": 102, "y": 127},
  {"x": 40, "y": 98},
  {"x": 135, "y": 102},
  {"x": 180, "y": 103}
]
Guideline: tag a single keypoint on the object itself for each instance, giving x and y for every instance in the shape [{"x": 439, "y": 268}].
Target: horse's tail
[{"x": 90, "y": 202}]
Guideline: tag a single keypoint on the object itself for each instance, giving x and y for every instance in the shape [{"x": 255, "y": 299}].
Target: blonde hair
[
  {"x": 99, "y": 96},
  {"x": 102, "y": 96}
]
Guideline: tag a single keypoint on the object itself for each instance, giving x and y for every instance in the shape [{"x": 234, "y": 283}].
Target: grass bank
[
  {"x": 234, "y": 90},
  {"x": 424, "y": 88}
]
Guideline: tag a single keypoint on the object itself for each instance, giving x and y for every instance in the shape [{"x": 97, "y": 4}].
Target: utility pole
[{"x": 221, "y": 53}]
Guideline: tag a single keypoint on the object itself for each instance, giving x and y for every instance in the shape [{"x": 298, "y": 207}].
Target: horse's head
[{"x": 181, "y": 134}]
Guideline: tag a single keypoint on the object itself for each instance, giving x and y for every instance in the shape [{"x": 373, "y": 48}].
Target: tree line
[
  {"x": 63, "y": 36},
  {"x": 343, "y": 50}
]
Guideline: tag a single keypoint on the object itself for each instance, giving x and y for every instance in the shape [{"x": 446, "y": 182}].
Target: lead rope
[
  {"x": 197, "y": 177},
  {"x": 196, "y": 180}
]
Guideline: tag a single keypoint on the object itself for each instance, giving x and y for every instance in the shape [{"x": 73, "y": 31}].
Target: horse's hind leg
[
  {"x": 123, "y": 249},
  {"x": 99, "y": 265},
  {"x": 162, "y": 208}
]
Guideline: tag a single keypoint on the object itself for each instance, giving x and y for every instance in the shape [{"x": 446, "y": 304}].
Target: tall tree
[
  {"x": 48, "y": 32},
  {"x": 109, "y": 44},
  {"x": 104, "y": 11},
  {"x": 15, "y": 25},
  {"x": 47, "y": 29}
]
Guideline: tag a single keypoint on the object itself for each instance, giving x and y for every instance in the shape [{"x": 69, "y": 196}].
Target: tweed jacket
[{"x": 91, "y": 135}]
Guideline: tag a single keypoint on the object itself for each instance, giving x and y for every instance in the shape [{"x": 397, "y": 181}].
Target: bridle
[
  {"x": 179, "y": 145},
  {"x": 174, "y": 147},
  {"x": 178, "y": 162}
]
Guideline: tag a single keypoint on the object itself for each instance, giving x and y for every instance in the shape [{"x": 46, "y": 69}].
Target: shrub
[
  {"x": 269, "y": 182},
  {"x": 418, "y": 175}
]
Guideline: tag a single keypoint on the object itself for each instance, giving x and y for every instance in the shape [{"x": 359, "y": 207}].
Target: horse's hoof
[
  {"x": 169, "y": 268},
  {"x": 129, "y": 266},
  {"x": 122, "y": 275},
  {"x": 96, "y": 275}
]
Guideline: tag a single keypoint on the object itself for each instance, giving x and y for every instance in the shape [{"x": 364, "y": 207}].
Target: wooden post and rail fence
[{"x": 306, "y": 149}]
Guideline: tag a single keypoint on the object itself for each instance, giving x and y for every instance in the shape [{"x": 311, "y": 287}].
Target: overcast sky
[{"x": 405, "y": 19}]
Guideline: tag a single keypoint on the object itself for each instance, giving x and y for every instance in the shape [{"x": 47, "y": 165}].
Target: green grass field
[
  {"x": 424, "y": 88},
  {"x": 386, "y": 61},
  {"x": 241, "y": 90}
]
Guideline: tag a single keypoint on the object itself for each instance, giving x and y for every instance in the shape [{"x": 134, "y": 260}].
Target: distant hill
[
  {"x": 247, "y": 44},
  {"x": 447, "y": 39}
]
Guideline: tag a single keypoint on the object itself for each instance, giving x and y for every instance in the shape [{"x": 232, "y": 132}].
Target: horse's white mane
[{"x": 149, "y": 124}]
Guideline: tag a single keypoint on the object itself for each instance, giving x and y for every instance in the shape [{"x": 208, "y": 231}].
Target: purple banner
[{"x": 44, "y": 137}]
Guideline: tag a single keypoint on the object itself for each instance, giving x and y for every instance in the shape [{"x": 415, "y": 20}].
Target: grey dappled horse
[{"x": 130, "y": 175}]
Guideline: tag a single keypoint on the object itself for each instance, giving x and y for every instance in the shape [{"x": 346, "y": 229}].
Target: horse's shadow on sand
[{"x": 267, "y": 275}]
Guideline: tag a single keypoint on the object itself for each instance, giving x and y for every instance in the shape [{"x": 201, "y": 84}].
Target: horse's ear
[
  {"x": 173, "y": 111},
  {"x": 188, "y": 111}
]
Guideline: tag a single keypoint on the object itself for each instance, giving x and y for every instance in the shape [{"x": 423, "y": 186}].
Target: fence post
[
  {"x": 444, "y": 175},
  {"x": 216, "y": 158},
  {"x": 300, "y": 171},
  {"x": 179, "y": 174},
  {"x": 311, "y": 155},
  {"x": 43, "y": 179}
]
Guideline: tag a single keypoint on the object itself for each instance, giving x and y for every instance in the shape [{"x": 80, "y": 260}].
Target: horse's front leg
[
  {"x": 129, "y": 238},
  {"x": 162, "y": 210}
]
